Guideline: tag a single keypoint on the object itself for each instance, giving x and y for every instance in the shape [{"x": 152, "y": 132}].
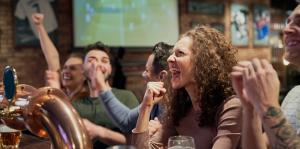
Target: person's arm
[
  {"x": 121, "y": 115},
  {"x": 140, "y": 137},
  {"x": 52, "y": 79},
  {"x": 48, "y": 48},
  {"x": 252, "y": 132},
  {"x": 105, "y": 135},
  {"x": 153, "y": 94},
  {"x": 285, "y": 134},
  {"x": 262, "y": 87},
  {"x": 252, "y": 127}
]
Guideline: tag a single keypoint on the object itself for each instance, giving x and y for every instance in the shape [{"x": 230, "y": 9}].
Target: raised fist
[{"x": 37, "y": 18}]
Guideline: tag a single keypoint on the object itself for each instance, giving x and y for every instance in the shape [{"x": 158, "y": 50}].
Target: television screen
[{"x": 128, "y": 23}]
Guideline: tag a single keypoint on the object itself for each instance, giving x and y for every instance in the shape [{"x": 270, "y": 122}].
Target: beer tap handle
[{"x": 9, "y": 81}]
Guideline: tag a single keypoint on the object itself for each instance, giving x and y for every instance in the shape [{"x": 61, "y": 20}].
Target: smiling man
[
  {"x": 291, "y": 37},
  {"x": 97, "y": 121}
]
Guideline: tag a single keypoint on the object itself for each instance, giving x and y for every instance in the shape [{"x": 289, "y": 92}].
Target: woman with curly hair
[{"x": 202, "y": 102}]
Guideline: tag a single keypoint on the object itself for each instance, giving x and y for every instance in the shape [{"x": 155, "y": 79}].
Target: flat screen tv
[{"x": 126, "y": 23}]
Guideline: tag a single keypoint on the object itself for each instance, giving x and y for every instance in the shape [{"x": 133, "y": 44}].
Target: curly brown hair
[{"x": 212, "y": 60}]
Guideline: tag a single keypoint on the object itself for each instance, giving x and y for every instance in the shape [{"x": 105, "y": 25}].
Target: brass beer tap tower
[{"x": 46, "y": 112}]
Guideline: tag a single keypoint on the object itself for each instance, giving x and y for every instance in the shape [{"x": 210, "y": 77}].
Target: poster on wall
[
  {"x": 196, "y": 6},
  {"x": 239, "y": 24},
  {"x": 25, "y": 33},
  {"x": 261, "y": 25}
]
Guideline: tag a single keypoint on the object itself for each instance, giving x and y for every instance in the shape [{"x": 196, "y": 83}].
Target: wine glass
[{"x": 181, "y": 142}]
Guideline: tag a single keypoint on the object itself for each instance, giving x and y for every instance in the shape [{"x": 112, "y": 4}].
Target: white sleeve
[{"x": 20, "y": 12}]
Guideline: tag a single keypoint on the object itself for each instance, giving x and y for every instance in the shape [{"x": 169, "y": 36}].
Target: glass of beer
[
  {"x": 181, "y": 142},
  {"x": 9, "y": 137}
]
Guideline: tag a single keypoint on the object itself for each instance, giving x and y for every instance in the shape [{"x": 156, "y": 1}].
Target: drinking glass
[
  {"x": 181, "y": 142},
  {"x": 9, "y": 137}
]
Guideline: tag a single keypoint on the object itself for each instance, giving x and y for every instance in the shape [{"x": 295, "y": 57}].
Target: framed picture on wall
[
  {"x": 239, "y": 24},
  {"x": 261, "y": 25},
  {"x": 196, "y": 6},
  {"x": 25, "y": 33}
]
